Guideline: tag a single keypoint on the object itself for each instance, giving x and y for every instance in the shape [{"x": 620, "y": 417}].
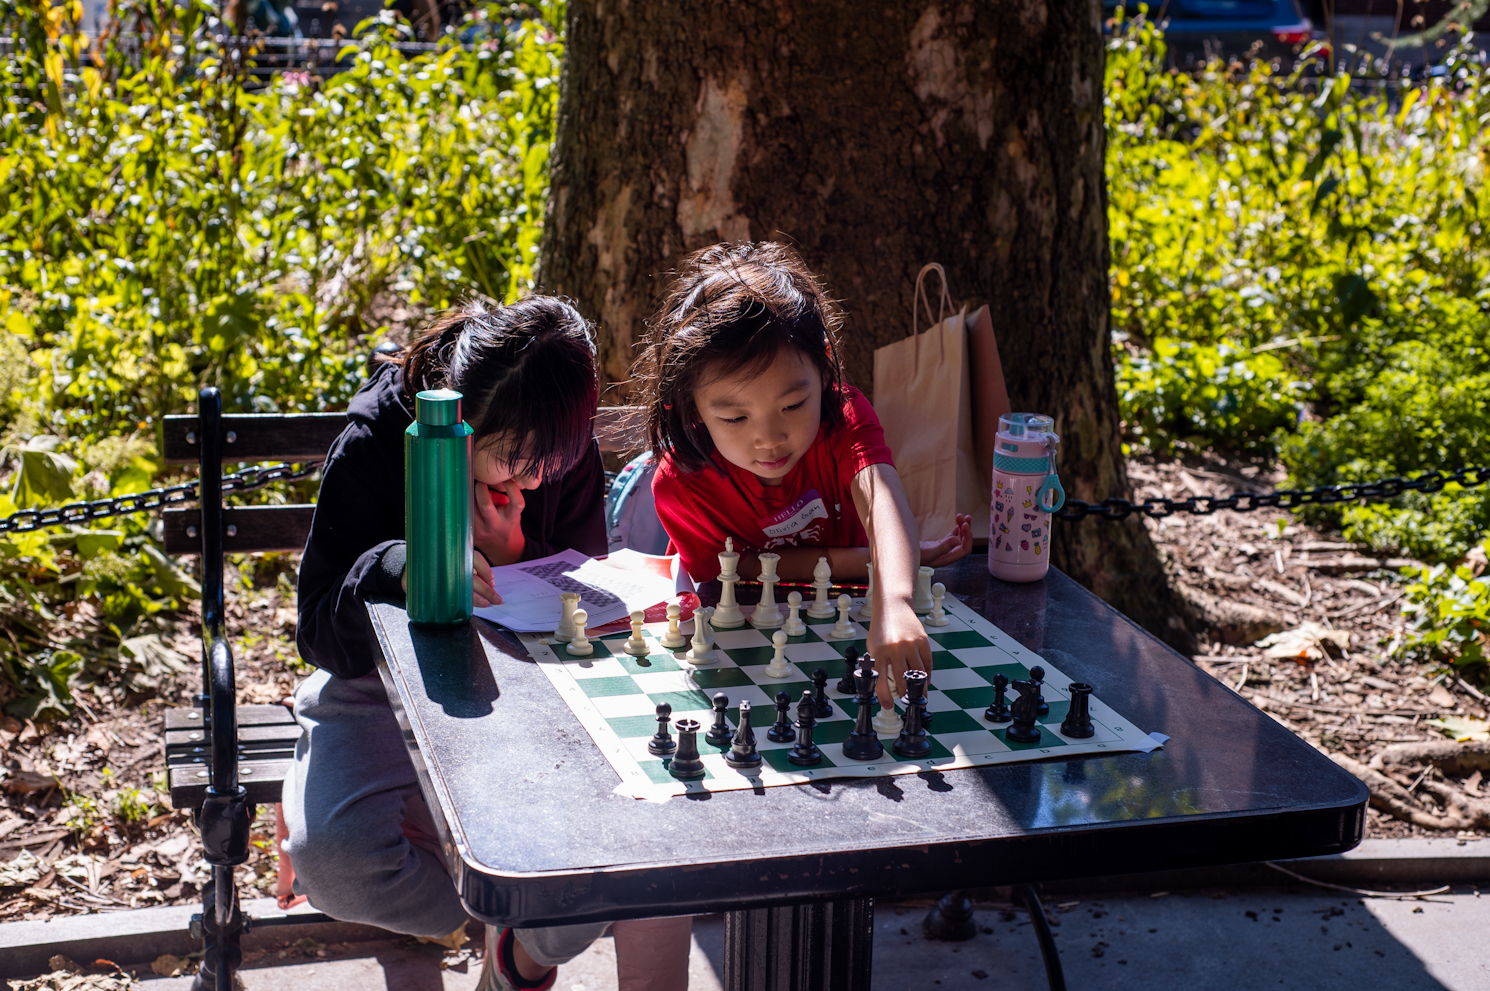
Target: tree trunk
[{"x": 875, "y": 136}]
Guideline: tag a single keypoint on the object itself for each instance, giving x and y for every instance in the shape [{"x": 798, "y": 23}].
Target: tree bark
[{"x": 875, "y": 136}]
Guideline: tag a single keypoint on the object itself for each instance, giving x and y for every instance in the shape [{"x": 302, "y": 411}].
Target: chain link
[
  {"x": 82, "y": 512},
  {"x": 1247, "y": 502}
]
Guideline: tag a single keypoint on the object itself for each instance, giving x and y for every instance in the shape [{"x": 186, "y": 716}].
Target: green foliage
[
  {"x": 1449, "y": 609},
  {"x": 167, "y": 223},
  {"x": 1301, "y": 267}
]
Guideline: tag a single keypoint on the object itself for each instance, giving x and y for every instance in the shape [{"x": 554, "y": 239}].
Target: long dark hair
[
  {"x": 526, "y": 370},
  {"x": 732, "y": 308}
]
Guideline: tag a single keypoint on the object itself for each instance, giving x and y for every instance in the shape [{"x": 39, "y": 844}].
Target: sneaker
[{"x": 499, "y": 972}]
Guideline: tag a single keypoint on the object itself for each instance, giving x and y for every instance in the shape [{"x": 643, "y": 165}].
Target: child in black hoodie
[{"x": 362, "y": 840}]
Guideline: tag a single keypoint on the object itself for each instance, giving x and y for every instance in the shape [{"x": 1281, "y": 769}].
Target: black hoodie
[{"x": 356, "y": 548}]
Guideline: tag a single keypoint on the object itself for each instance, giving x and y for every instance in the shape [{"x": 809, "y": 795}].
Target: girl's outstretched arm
[{"x": 897, "y": 640}]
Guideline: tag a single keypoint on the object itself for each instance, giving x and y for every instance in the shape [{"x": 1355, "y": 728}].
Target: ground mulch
[{"x": 1341, "y": 690}]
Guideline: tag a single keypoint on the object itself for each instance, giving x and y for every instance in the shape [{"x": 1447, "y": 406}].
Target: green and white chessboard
[{"x": 615, "y": 696}]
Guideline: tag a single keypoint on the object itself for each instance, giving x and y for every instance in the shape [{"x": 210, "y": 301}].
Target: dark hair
[
  {"x": 526, "y": 370},
  {"x": 731, "y": 308}
]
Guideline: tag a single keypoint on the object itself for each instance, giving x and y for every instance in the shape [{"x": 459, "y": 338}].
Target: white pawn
[
  {"x": 579, "y": 646},
  {"x": 822, "y": 580},
  {"x": 794, "y": 626},
  {"x": 767, "y": 615},
  {"x": 866, "y": 611},
  {"x": 568, "y": 602},
  {"x": 938, "y": 615},
  {"x": 728, "y": 613},
  {"x": 778, "y": 668},
  {"x": 637, "y": 645},
  {"x": 921, "y": 598},
  {"x": 702, "y": 651},
  {"x": 886, "y": 722},
  {"x": 843, "y": 629},
  {"x": 673, "y": 638}
]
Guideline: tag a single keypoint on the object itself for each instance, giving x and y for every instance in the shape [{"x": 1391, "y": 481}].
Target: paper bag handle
[{"x": 943, "y": 305}]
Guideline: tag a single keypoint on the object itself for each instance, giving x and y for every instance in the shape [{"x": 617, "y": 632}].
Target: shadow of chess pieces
[
  {"x": 804, "y": 752},
  {"x": 662, "y": 743},
  {"x": 1078, "y": 721},
  {"x": 686, "y": 763},
  {"x": 781, "y": 731},
  {"x": 742, "y": 754},
  {"x": 998, "y": 712},
  {"x": 912, "y": 742},
  {"x": 719, "y": 734},
  {"x": 1025, "y": 711},
  {"x": 863, "y": 742},
  {"x": 1037, "y": 678}
]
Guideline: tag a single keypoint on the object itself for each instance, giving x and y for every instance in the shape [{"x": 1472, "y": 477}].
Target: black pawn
[
  {"x": 1078, "y": 721},
  {"x": 845, "y": 684},
  {"x": 804, "y": 752},
  {"x": 999, "y": 711},
  {"x": 1024, "y": 729},
  {"x": 662, "y": 744},
  {"x": 912, "y": 740},
  {"x": 743, "y": 754},
  {"x": 820, "y": 693},
  {"x": 1037, "y": 676},
  {"x": 719, "y": 734},
  {"x": 781, "y": 731},
  {"x": 686, "y": 763},
  {"x": 862, "y": 743}
]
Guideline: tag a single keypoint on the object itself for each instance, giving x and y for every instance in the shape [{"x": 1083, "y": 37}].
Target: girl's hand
[
  {"x": 953, "y": 547},
  {"x": 482, "y": 592},
  {"x": 897, "y": 642},
  {"x": 496, "y": 522}
]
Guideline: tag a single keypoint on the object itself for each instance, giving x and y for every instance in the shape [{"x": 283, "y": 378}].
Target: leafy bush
[
  {"x": 1330, "y": 239},
  {"x": 1449, "y": 610}
]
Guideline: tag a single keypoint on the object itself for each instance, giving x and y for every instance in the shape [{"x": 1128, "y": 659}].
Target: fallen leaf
[
  {"x": 25, "y": 782},
  {"x": 1462, "y": 729},
  {"x": 168, "y": 966},
  {"x": 25, "y": 869},
  {"x": 1312, "y": 642}
]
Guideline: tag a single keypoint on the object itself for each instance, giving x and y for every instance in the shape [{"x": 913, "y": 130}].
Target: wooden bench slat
[
  {"x": 263, "y": 780},
  {"x": 185, "y": 717},
  {"x": 259, "y": 529},
  {"x": 258, "y": 437},
  {"x": 277, "y": 734}
]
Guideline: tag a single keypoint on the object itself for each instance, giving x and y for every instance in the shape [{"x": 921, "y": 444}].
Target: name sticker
[{"x": 795, "y": 517}]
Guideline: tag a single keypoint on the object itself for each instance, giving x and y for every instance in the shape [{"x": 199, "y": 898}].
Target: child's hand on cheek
[
  {"x": 897, "y": 642},
  {"x": 953, "y": 547},
  {"x": 496, "y": 530}
]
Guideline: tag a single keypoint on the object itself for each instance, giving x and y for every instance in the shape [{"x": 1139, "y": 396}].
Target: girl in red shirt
[{"x": 758, "y": 438}]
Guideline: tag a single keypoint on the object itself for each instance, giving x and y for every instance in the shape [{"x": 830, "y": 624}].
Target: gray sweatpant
[{"x": 362, "y": 841}]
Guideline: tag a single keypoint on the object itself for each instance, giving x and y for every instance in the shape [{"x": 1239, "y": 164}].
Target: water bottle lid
[
  {"x": 1027, "y": 426},
  {"x": 437, "y": 407}
]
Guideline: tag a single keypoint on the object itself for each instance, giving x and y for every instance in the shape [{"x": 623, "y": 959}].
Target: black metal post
[
  {"x": 209, "y": 497},
  {"x": 821, "y": 946},
  {"x": 1054, "y": 976}
]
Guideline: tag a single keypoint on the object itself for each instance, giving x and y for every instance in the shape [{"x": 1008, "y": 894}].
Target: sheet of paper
[{"x": 530, "y": 591}]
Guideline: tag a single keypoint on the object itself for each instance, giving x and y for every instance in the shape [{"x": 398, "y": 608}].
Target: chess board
[{"x": 614, "y": 696}]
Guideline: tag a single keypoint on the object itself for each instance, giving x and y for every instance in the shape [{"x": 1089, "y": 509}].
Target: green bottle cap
[{"x": 437, "y": 407}]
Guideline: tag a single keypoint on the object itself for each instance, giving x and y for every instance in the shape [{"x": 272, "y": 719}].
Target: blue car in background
[{"x": 1195, "y": 30}]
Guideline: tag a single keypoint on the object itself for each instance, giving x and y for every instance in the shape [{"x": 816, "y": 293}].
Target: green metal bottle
[{"x": 437, "y": 510}]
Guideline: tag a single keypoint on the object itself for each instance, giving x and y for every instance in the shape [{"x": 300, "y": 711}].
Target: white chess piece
[
  {"x": 822, "y": 580},
  {"x": 702, "y": 651},
  {"x": 938, "y": 616},
  {"x": 866, "y": 611},
  {"x": 636, "y": 646},
  {"x": 767, "y": 615},
  {"x": 794, "y": 626},
  {"x": 843, "y": 629},
  {"x": 673, "y": 638},
  {"x": 778, "y": 668},
  {"x": 886, "y": 722},
  {"x": 568, "y": 602},
  {"x": 921, "y": 599},
  {"x": 580, "y": 646},
  {"x": 727, "y": 614}
]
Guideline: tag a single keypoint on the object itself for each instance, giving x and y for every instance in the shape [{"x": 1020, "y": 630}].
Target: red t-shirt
[{"x": 812, "y": 507}]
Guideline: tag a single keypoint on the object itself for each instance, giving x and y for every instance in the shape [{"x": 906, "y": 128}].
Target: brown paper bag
[
  {"x": 989, "y": 394},
  {"x": 923, "y": 396}
]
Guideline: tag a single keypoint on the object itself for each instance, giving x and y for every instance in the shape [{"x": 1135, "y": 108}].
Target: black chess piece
[
  {"x": 719, "y": 734},
  {"x": 1037, "y": 676},
  {"x": 1078, "y": 721},
  {"x": 863, "y": 743},
  {"x": 804, "y": 752},
  {"x": 742, "y": 753},
  {"x": 781, "y": 731},
  {"x": 845, "y": 684},
  {"x": 820, "y": 693},
  {"x": 686, "y": 763},
  {"x": 998, "y": 712},
  {"x": 1025, "y": 710},
  {"x": 912, "y": 742},
  {"x": 662, "y": 744}
]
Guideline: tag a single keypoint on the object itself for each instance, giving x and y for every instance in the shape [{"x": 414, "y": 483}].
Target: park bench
[{"x": 222, "y": 758}]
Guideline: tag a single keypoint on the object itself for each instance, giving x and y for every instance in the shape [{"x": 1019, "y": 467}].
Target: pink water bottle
[{"x": 1025, "y": 492}]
